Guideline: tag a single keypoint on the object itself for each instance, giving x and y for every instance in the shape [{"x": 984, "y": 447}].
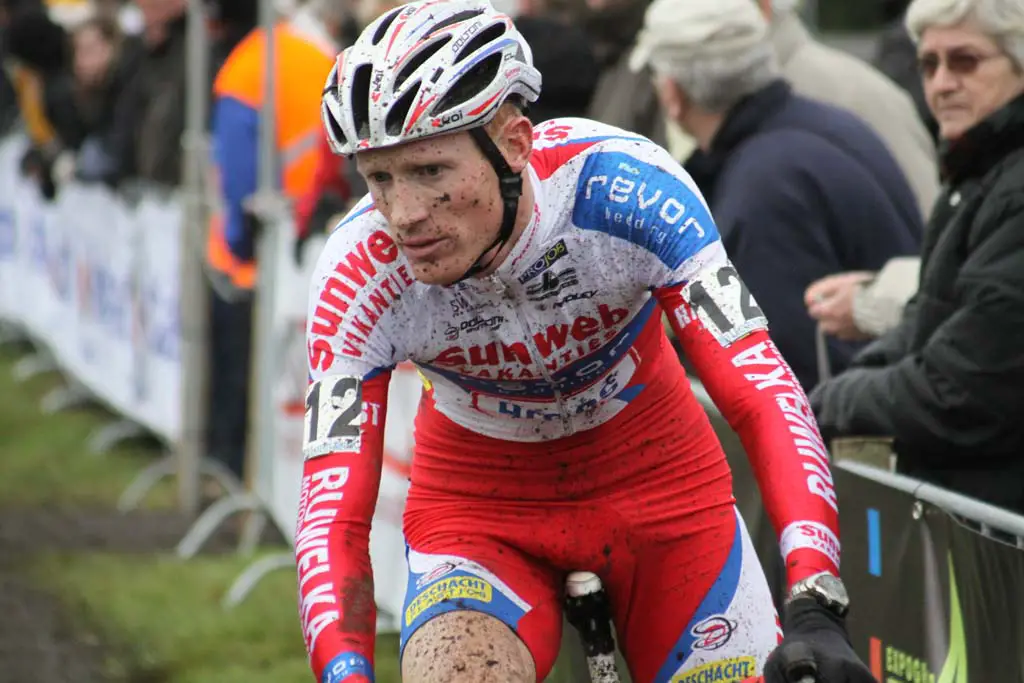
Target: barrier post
[
  {"x": 193, "y": 293},
  {"x": 270, "y": 207}
]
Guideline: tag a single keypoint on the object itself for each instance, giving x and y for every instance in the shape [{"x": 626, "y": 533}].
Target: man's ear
[
  {"x": 674, "y": 102},
  {"x": 516, "y": 141}
]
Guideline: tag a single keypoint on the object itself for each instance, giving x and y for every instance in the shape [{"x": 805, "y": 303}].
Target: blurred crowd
[{"x": 875, "y": 208}]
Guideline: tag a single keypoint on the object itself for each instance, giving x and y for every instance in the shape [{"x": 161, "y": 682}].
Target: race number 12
[
  {"x": 334, "y": 408},
  {"x": 725, "y": 305}
]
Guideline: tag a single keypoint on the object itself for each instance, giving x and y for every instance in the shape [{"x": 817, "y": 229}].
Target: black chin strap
[{"x": 511, "y": 186}]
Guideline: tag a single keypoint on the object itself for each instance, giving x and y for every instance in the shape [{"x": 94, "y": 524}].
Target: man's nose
[{"x": 408, "y": 207}]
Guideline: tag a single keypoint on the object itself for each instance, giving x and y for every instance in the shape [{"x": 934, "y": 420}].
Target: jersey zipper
[{"x": 506, "y": 292}]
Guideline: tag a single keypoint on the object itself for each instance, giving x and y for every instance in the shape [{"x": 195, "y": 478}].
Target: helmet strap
[{"x": 510, "y": 184}]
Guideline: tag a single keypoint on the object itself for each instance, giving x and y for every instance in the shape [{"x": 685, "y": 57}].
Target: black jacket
[
  {"x": 802, "y": 190},
  {"x": 948, "y": 382}
]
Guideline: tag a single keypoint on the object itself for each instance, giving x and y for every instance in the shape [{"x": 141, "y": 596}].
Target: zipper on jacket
[{"x": 509, "y": 296}]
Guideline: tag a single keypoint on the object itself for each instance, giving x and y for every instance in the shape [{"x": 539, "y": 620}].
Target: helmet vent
[
  {"x": 384, "y": 26},
  {"x": 488, "y": 35},
  {"x": 472, "y": 83},
  {"x": 417, "y": 60},
  {"x": 454, "y": 19},
  {"x": 361, "y": 100},
  {"x": 400, "y": 111}
]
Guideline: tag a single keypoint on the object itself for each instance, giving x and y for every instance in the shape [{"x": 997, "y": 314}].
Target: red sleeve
[
  {"x": 343, "y": 449},
  {"x": 759, "y": 396}
]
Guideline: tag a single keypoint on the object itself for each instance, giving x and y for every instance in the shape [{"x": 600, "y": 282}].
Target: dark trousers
[{"x": 230, "y": 359}]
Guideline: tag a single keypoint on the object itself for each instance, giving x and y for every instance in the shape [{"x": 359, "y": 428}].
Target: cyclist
[{"x": 523, "y": 270}]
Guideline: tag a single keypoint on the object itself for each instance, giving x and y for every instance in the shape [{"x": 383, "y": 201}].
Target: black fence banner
[{"x": 932, "y": 599}]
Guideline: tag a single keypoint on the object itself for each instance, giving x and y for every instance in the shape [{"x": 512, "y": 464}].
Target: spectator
[
  {"x": 81, "y": 102},
  {"x": 230, "y": 22},
  {"x": 562, "y": 54},
  {"x": 36, "y": 55},
  {"x": 834, "y": 77},
  {"x": 149, "y": 119},
  {"x": 305, "y": 49},
  {"x": 621, "y": 98},
  {"x": 831, "y": 76},
  {"x": 866, "y": 305},
  {"x": 948, "y": 383},
  {"x": 803, "y": 189},
  {"x": 862, "y": 305}
]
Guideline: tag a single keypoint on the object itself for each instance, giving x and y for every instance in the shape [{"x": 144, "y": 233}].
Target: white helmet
[{"x": 423, "y": 69}]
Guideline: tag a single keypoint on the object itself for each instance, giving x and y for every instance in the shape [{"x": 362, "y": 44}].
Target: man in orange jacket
[{"x": 305, "y": 47}]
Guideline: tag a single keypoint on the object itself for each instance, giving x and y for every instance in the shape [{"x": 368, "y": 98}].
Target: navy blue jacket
[{"x": 800, "y": 190}]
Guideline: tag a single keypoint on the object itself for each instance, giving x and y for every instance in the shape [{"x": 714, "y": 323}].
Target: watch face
[{"x": 833, "y": 589}]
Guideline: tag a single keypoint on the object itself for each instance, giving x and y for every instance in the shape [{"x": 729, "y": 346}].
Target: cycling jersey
[{"x": 560, "y": 350}]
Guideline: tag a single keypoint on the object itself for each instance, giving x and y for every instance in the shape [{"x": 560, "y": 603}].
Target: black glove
[{"x": 816, "y": 644}]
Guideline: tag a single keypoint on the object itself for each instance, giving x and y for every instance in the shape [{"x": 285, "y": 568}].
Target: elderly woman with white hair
[{"x": 948, "y": 383}]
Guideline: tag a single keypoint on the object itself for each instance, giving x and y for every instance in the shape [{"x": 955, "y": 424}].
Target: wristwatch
[{"x": 827, "y": 589}]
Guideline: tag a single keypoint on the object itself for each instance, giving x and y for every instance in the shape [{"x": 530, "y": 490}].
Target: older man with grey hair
[
  {"x": 832, "y": 76},
  {"x": 803, "y": 189}
]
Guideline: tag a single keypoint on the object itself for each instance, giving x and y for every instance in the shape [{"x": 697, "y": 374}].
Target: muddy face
[{"x": 441, "y": 200}]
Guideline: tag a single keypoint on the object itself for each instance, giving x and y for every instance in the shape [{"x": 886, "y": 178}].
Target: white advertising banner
[{"x": 95, "y": 281}]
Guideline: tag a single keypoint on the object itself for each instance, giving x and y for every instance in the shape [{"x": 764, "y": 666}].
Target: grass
[
  {"x": 43, "y": 458},
  {"x": 170, "y": 612},
  {"x": 162, "y": 612}
]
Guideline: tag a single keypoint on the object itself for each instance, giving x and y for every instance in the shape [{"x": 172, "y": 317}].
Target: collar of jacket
[
  {"x": 984, "y": 145},
  {"x": 748, "y": 116},
  {"x": 788, "y": 34}
]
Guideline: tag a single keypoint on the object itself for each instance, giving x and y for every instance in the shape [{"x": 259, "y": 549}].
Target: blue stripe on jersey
[
  {"x": 573, "y": 378},
  {"x": 715, "y": 603},
  {"x": 630, "y": 199},
  {"x": 354, "y": 215}
]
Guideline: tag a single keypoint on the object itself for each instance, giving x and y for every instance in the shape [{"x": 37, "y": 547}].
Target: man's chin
[{"x": 441, "y": 273}]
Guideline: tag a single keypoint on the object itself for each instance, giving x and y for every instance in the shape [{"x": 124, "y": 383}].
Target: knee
[{"x": 466, "y": 647}]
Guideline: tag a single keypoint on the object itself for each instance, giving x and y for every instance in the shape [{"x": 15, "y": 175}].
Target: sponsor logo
[
  {"x": 355, "y": 276},
  {"x": 319, "y": 502},
  {"x": 813, "y": 535},
  {"x": 378, "y": 78},
  {"x": 551, "y": 132},
  {"x": 576, "y": 296},
  {"x": 477, "y": 323},
  {"x": 461, "y": 305},
  {"x": 436, "y": 573},
  {"x": 899, "y": 666},
  {"x": 587, "y": 350},
  {"x": 446, "y": 589},
  {"x": 553, "y": 253},
  {"x": 642, "y": 204},
  {"x": 726, "y": 670},
  {"x": 461, "y": 41},
  {"x": 713, "y": 632},
  {"x": 346, "y": 666},
  {"x": 553, "y": 339},
  {"x": 769, "y": 372},
  {"x": 552, "y": 284},
  {"x": 447, "y": 119}
]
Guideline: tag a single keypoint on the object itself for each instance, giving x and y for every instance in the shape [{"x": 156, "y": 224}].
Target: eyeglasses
[{"x": 958, "y": 62}]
